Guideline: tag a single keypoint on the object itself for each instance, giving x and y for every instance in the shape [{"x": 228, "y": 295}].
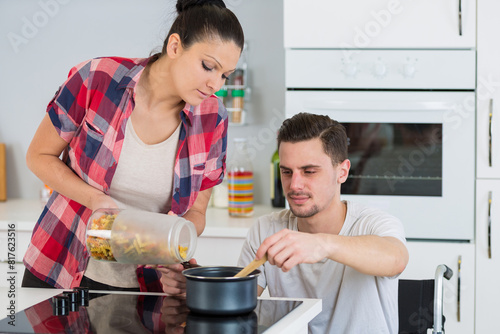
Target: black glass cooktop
[{"x": 128, "y": 313}]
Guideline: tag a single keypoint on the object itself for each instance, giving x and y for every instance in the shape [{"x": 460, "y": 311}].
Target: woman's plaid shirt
[{"x": 90, "y": 112}]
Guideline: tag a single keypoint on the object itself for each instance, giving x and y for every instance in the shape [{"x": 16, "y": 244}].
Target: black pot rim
[{"x": 194, "y": 273}]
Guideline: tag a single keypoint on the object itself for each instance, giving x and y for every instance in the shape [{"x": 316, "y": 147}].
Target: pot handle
[{"x": 188, "y": 265}]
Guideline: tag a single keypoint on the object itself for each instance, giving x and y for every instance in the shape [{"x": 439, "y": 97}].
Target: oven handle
[
  {"x": 460, "y": 17},
  {"x": 366, "y": 105},
  {"x": 459, "y": 283},
  {"x": 489, "y": 224}
]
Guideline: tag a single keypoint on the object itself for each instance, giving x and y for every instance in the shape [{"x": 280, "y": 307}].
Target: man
[
  {"x": 342, "y": 252},
  {"x": 345, "y": 253}
]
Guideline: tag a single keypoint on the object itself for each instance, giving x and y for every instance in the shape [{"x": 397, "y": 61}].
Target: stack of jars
[{"x": 233, "y": 96}]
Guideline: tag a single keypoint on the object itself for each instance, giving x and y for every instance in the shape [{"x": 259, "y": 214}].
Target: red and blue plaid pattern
[{"x": 90, "y": 112}]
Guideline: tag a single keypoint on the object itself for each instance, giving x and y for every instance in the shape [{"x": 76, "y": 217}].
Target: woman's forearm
[
  {"x": 58, "y": 176},
  {"x": 43, "y": 160},
  {"x": 197, "y": 213}
]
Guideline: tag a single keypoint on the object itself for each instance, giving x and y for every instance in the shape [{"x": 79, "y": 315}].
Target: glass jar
[
  {"x": 238, "y": 78},
  {"x": 238, "y": 104},
  {"x": 220, "y": 195},
  {"x": 222, "y": 94},
  {"x": 139, "y": 237},
  {"x": 240, "y": 181}
]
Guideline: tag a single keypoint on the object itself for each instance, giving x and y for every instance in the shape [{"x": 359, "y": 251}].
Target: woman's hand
[
  {"x": 172, "y": 280},
  {"x": 102, "y": 201}
]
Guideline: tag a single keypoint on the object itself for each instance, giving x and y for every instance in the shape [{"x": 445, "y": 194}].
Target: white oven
[{"x": 409, "y": 116}]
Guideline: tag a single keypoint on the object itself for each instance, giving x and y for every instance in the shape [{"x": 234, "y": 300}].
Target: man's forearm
[{"x": 368, "y": 254}]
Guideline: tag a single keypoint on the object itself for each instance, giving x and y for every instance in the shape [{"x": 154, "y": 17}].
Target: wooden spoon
[{"x": 251, "y": 266}]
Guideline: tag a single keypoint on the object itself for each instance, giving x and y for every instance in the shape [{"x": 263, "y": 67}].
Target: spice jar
[
  {"x": 222, "y": 94},
  {"x": 238, "y": 78},
  {"x": 139, "y": 237},
  {"x": 238, "y": 96}
]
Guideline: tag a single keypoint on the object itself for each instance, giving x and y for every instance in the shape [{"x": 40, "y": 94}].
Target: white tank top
[{"x": 143, "y": 180}]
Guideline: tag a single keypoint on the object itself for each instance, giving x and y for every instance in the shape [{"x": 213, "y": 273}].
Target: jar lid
[
  {"x": 221, "y": 93},
  {"x": 238, "y": 93}
]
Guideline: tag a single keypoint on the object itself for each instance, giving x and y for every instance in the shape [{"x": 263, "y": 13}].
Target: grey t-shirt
[{"x": 352, "y": 302}]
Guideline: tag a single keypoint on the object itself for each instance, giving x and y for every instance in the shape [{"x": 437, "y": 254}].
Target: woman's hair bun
[{"x": 183, "y": 5}]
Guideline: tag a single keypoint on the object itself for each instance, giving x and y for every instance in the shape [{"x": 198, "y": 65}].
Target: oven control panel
[{"x": 380, "y": 69}]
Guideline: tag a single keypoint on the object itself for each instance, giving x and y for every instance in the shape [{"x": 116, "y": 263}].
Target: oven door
[{"x": 411, "y": 153}]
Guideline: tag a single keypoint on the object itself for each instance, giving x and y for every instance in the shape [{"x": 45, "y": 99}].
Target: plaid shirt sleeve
[
  {"x": 215, "y": 167},
  {"x": 202, "y": 152},
  {"x": 68, "y": 107}
]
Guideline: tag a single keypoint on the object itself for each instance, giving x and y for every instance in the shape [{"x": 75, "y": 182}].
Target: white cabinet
[
  {"x": 487, "y": 254},
  {"x": 488, "y": 92},
  {"x": 488, "y": 166},
  {"x": 424, "y": 259},
  {"x": 379, "y": 24}
]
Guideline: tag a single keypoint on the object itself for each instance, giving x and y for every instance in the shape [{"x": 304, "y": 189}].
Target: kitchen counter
[
  {"x": 25, "y": 213},
  {"x": 222, "y": 233},
  {"x": 294, "y": 322}
]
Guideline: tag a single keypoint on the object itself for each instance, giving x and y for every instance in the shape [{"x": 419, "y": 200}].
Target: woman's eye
[
  {"x": 224, "y": 77},
  {"x": 206, "y": 67}
]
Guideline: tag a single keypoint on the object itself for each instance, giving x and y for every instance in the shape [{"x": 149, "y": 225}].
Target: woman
[{"x": 144, "y": 132}]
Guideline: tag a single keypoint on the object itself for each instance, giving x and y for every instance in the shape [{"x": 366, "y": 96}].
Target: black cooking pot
[{"x": 215, "y": 290}]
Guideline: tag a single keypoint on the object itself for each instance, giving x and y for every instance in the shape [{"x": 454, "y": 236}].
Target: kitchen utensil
[
  {"x": 215, "y": 290},
  {"x": 252, "y": 266},
  {"x": 140, "y": 237}
]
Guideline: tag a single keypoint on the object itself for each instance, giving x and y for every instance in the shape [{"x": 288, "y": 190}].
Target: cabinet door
[
  {"x": 424, "y": 259},
  {"x": 487, "y": 254},
  {"x": 488, "y": 91},
  {"x": 379, "y": 24}
]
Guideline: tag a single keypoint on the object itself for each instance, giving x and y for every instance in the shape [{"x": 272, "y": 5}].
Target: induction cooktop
[{"x": 138, "y": 313}]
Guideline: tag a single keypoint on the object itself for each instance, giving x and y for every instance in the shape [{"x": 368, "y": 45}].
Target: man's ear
[
  {"x": 174, "y": 46},
  {"x": 344, "y": 167}
]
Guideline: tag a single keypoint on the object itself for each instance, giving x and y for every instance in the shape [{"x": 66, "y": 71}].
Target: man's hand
[
  {"x": 286, "y": 249},
  {"x": 172, "y": 280}
]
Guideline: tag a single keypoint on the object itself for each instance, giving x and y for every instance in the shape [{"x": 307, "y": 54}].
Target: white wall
[{"x": 42, "y": 39}]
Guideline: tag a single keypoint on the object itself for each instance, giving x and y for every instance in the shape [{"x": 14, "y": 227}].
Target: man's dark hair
[{"x": 306, "y": 126}]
